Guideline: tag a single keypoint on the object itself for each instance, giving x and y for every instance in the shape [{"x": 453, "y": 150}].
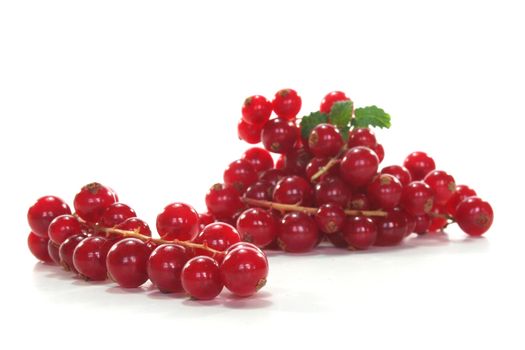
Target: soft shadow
[
  {"x": 120, "y": 290},
  {"x": 158, "y": 295},
  {"x": 257, "y": 301}
]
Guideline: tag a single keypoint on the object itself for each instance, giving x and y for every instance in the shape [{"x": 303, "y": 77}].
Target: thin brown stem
[
  {"x": 308, "y": 210},
  {"x": 331, "y": 163}
]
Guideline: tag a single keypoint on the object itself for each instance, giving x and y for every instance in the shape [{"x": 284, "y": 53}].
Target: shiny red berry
[
  {"x": 259, "y": 158},
  {"x": 135, "y": 224},
  {"x": 53, "y": 250},
  {"x": 92, "y": 200},
  {"x": 258, "y": 226},
  {"x": 223, "y": 202},
  {"x": 286, "y": 104},
  {"x": 256, "y": 110},
  {"x": 442, "y": 184},
  {"x": 330, "y": 217},
  {"x": 248, "y": 133},
  {"x": 218, "y": 236},
  {"x": 66, "y": 251},
  {"x": 419, "y": 164},
  {"x": 391, "y": 229},
  {"x": 38, "y": 247},
  {"x": 361, "y": 137},
  {"x": 325, "y": 140},
  {"x": 400, "y": 172},
  {"x": 40, "y": 214},
  {"x": 359, "y": 232},
  {"x": 385, "y": 192},
  {"x": 115, "y": 214},
  {"x": 462, "y": 192},
  {"x": 178, "y": 221},
  {"x": 331, "y": 98},
  {"x": 438, "y": 220},
  {"x": 279, "y": 135},
  {"x": 293, "y": 190},
  {"x": 316, "y": 164},
  {"x": 359, "y": 201},
  {"x": 62, "y": 227},
  {"x": 297, "y": 233},
  {"x": 418, "y": 198},
  {"x": 244, "y": 271},
  {"x": 240, "y": 174},
  {"x": 474, "y": 216},
  {"x": 127, "y": 262},
  {"x": 261, "y": 190},
  {"x": 359, "y": 166},
  {"x": 422, "y": 224},
  {"x": 205, "y": 219},
  {"x": 89, "y": 258},
  {"x": 295, "y": 161},
  {"x": 272, "y": 176},
  {"x": 201, "y": 278},
  {"x": 165, "y": 266},
  {"x": 332, "y": 189}
]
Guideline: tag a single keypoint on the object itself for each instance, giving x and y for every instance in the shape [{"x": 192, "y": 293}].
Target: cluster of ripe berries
[
  {"x": 104, "y": 238},
  {"x": 325, "y": 185}
]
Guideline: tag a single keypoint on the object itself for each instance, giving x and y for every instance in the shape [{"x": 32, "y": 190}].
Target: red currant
[
  {"x": 240, "y": 174},
  {"x": 391, "y": 229},
  {"x": 462, "y": 192},
  {"x": 244, "y": 271},
  {"x": 205, "y": 219},
  {"x": 474, "y": 216},
  {"x": 178, "y": 221},
  {"x": 92, "y": 200},
  {"x": 40, "y": 214},
  {"x": 135, "y": 224},
  {"x": 385, "y": 192},
  {"x": 223, "y": 202},
  {"x": 332, "y": 189},
  {"x": 359, "y": 166},
  {"x": 259, "y": 158},
  {"x": 297, "y": 233},
  {"x": 422, "y": 224},
  {"x": 379, "y": 151},
  {"x": 272, "y": 176},
  {"x": 325, "y": 140},
  {"x": 361, "y": 137},
  {"x": 165, "y": 266},
  {"x": 257, "y": 226},
  {"x": 66, "y": 251},
  {"x": 38, "y": 247},
  {"x": 296, "y": 160},
  {"x": 127, "y": 262},
  {"x": 62, "y": 227},
  {"x": 248, "y": 133},
  {"x": 293, "y": 190},
  {"x": 53, "y": 251},
  {"x": 279, "y": 135},
  {"x": 287, "y": 104},
  {"x": 402, "y": 173},
  {"x": 442, "y": 184},
  {"x": 89, "y": 258},
  {"x": 256, "y": 110},
  {"x": 359, "y": 232},
  {"x": 218, "y": 236},
  {"x": 419, "y": 164},
  {"x": 330, "y": 217},
  {"x": 115, "y": 214},
  {"x": 438, "y": 220},
  {"x": 331, "y": 98},
  {"x": 261, "y": 190},
  {"x": 337, "y": 239},
  {"x": 201, "y": 278},
  {"x": 418, "y": 198},
  {"x": 359, "y": 201}
]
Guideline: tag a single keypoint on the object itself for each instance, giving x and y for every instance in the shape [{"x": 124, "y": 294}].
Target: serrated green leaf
[
  {"x": 371, "y": 116},
  {"x": 344, "y": 130},
  {"x": 341, "y": 113},
  {"x": 311, "y": 121}
]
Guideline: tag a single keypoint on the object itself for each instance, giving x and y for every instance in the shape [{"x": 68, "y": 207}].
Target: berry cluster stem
[
  {"x": 331, "y": 163},
  {"x": 308, "y": 210}
]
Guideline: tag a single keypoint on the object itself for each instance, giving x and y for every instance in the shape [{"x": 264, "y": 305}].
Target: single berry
[
  {"x": 359, "y": 201},
  {"x": 293, "y": 190},
  {"x": 418, "y": 198},
  {"x": 127, "y": 262},
  {"x": 474, "y": 216},
  {"x": 297, "y": 233},
  {"x": 359, "y": 232},
  {"x": 205, "y": 219},
  {"x": 135, "y": 224},
  {"x": 391, "y": 229},
  {"x": 332, "y": 189},
  {"x": 244, "y": 271},
  {"x": 62, "y": 227},
  {"x": 240, "y": 174},
  {"x": 337, "y": 239},
  {"x": 379, "y": 151},
  {"x": 66, "y": 251},
  {"x": 279, "y": 135},
  {"x": 286, "y": 104},
  {"x": 272, "y": 176},
  {"x": 89, "y": 258},
  {"x": 38, "y": 247},
  {"x": 92, "y": 200},
  {"x": 201, "y": 278},
  {"x": 419, "y": 164},
  {"x": 330, "y": 218},
  {"x": 248, "y": 133},
  {"x": 259, "y": 158},
  {"x": 442, "y": 184},
  {"x": 257, "y": 226},
  {"x": 400, "y": 172},
  {"x": 165, "y": 266},
  {"x": 40, "y": 214},
  {"x": 422, "y": 224},
  {"x": 261, "y": 190},
  {"x": 295, "y": 161},
  {"x": 329, "y": 100},
  {"x": 223, "y": 202},
  {"x": 218, "y": 236},
  {"x": 325, "y": 140},
  {"x": 438, "y": 219},
  {"x": 178, "y": 221},
  {"x": 462, "y": 192},
  {"x": 385, "y": 192},
  {"x": 361, "y": 137},
  {"x": 115, "y": 214},
  {"x": 256, "y": 110},
  {"x": 53, "y": 250},
  {"x": 359, "y": 166}
]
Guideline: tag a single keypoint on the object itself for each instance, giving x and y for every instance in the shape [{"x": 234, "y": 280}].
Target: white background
[{"x": 145, "y": 96}]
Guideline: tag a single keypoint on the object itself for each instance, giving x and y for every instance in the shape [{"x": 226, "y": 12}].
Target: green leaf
[
  {"x": 311, "y": 121},
  {"x": 341, "y": 113},
  {"x": 344, "y": 130},
  {"x": 371, "y": 116}
]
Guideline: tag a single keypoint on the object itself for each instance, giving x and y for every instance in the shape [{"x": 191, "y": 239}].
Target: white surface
[{"x": 144, "y": 97}]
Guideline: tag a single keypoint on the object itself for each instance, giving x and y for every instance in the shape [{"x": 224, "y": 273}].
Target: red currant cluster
[{"x": 105, "y": 238}]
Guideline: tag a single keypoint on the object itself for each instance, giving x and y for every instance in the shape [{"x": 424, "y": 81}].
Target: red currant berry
[
  {"x": 244, "y": 271},
  {"x": 330, "y": 217},
  {"x": 115, "y": 214},
  {"x": 272, "y": 176},
  {"x": 359, "y": 232},
  {"x": 89, "y": 258},
  {"x": 422, "y": 224},
  {"x": 240, "y": 174},
  {"x": 295, "y": 161},
  {"x": 297, "y": 233},
  {"x": 385, "y": 192},
  {"x": 359, "y": 201},
  {"x": 135, "y": 224},
  {"x": 223, "y": 202},
  {"x": 411, "y": 223},
  {"x": 419, "y": 164},
  {"x": 165, "y": 266},
  {"x": 259, "y": 158},
  {"x": 462, "y": 192},
  {"x": 38, "y": 247},
  {"x": 279, "y": 164},
  {"x": 201, "y": 278},
  {"x": 379, "y": 151},
  {"x": 293, "y": 190},
  {"x": 316, "y": 164},
  {"x": 40, "y": 214},
  {"x": 361, "y": 137},
  {"x": 205, "y": 219},
  {"x": 402, "y": 173},
  {"x": 127, "y": 262},
  {"x": 66, "y": 251},
  {"x": 438, "y": 220},
  {"x": 325, "y": 140},
  {"x": 474, "y": 216},
  {"x": 337, "y": 240},
  {"x": 218, "y": 236},
  {"x": 418, "y": 198},
  {"x": 178, "y": 221},
  {"x": 442, "y": 184},
  {"x": 53, "y": 251},
  {"x": 92, "y": 200},
  {"x": 261, "y": 190},
  {"x": 249, "y": 133},
  {"x": 331, "y": 98},
  {"x": 62, "y": 227},
  {"x": 286, "y": 104},
  {"x": 391, "y": 229},
  {"x": 257, "y": 226},
  {"x": 256, "y": 110},
  {"x": 359, "y": 166},
  {"x": 332, "y": 189},
  {"x": 279, "y": 135}
]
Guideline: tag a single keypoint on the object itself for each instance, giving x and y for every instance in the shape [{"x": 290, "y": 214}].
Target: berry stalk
[{"x": 331, "y": 163}]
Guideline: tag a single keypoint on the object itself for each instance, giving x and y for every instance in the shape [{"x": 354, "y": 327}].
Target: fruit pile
[{"x": 326, "y": 185}]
